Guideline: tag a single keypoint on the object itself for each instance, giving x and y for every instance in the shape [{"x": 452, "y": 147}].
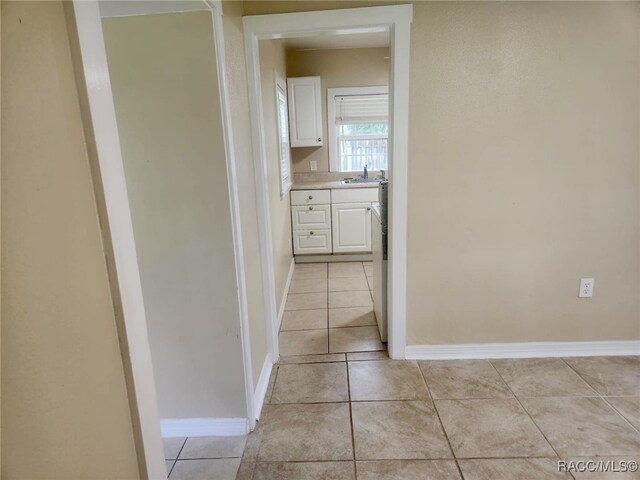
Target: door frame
[
  {"x": 397, "y": 20},
  {"x": 96, "y": 98}
]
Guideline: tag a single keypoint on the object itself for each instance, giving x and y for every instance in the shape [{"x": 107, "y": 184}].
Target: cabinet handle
[
  {"x": 310, "y": 197},
  {"x": 310, "y": 208},
  {"x": 310, "y": 233}
]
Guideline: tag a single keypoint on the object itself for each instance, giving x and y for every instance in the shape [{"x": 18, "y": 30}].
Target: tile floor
[
  {"x": 362, "y": 416},
  {"x": 329, "y": 309},
  {"x": 337, "y": 408}
]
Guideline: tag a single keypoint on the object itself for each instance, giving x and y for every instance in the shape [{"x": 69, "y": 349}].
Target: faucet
[
  {"x": 366, "y": 173},
  {"x": 382, "y": 177}
]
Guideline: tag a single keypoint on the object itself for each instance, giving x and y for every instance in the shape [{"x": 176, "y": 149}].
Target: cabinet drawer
[
  {"x": 311, "y": 216},
  {"x": 354, "y": 195},
  {"x": 311, "y": 241},
  {"x": 310, "y": 197}
]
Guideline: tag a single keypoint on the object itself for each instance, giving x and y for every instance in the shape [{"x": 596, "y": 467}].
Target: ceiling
[{"x": 124, "y": 8}]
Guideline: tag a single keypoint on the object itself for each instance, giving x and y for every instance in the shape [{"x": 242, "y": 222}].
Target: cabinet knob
[
  {"x": 310, "y": 197},
  {"x": 368, "y": 209},
  {"x": 310, "y": 233},
  {"x": 319, "y": 139},
  {"x": 310, "y": 208}
]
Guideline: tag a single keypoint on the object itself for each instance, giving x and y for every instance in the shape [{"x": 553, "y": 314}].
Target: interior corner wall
[
  {"x": 241, "y": 125},
  {"x": 65, "y": 409},
  {"x": 164, "y": 81},
  {"x": 351, "y": 67},
  {"x": 273, "y": 58}
]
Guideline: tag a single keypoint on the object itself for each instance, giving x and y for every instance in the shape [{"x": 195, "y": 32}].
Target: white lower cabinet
[
  {"x": 311, "y": 241},
  {"x": 351, "y": 227}
]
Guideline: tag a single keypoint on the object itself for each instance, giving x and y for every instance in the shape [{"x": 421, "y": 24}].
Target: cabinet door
[
  {"x": 351, "y": 225},
  {"x": 305, "y": 114}
]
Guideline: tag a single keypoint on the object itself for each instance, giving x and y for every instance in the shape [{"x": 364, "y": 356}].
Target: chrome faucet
[
  {"x": 366, "y": 173},
  {"x": 382, "y": 177}
]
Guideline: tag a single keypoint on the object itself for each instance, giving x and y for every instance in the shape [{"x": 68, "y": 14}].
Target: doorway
[{"x": 396, "y": 21}]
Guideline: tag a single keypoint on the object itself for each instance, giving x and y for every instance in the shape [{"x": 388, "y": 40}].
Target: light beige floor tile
[
  {"x": 491, "y": 428},
  {"x": 350, "y": 299},
  {"x": 354, "y": 339},
  {"x": 582, "y": 426},
  {"x": 245, "y": 472},
  {"x": 610, "y": 376},
  {"x": 303, "y": 342},
  {"x": 351, "y": 317},
  {"x": 512, "y": 469},
  {"x": 218, "y": 469},
  {"x": 311, "y": 383},
  {"x": 346, "y": 269},
  {"x": 308, "y": 285},
  {"x": 408, "y": 470},
  {"x": 307, "y": 271},
  {"x": 348, "y": 284},
  {"x": 397, "y": 430},
  {"x": 169, "y": 465},
  {"x": 353, "y": 357},
  {"x": 252, "y": 445},
  {"x": 304, "y": 319},
  {"x": 322, "y": 358},
  {"x": 629, "y": 408},
  {"x": 542, "y": 377},
  {"x": 311, "y": 432},
  {"x": 463, "y": 379},
  {"x": 370, "y": 282},
  {"x": 305, "y": 471},
  {"x": 368, "y": 268},
  {"x": 213, "y": 447},
  {"x": 612, "y": 468},
  {"x": 386, "y": 380},
  {"x": 306, "y": 301},
  {"x": 172, "y": 447}
]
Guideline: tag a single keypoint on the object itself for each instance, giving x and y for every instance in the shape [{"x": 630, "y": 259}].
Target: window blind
[
  {"x": 283, "y": 133},
  {"x": 370, "y": 108}
]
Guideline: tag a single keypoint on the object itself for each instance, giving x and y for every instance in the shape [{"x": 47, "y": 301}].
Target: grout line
[
  {"x": 525, "y": 410},
  {"x": 353, "y": 433},
  {"x": 435, "y": 409}
]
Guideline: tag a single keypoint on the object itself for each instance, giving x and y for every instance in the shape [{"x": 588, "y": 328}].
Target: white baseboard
[
  {"x": 283, "y": 300},
  {"x": 522, "y": 350},
  {"x": 203, "y": 427},
  {"x": 261, "y": 387}
]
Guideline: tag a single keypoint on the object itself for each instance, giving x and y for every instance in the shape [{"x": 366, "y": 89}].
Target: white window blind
[{"x": 371, "y": 108}]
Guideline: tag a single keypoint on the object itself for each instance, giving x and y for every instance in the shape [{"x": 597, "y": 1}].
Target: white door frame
[
  {"x": 92, "y": 74},
  {"x": 397, "y": 20}
]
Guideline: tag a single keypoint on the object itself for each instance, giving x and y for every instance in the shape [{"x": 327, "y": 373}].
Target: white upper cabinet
[{"x": 305, "y": 114}]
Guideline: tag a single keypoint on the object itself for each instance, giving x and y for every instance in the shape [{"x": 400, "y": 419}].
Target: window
[
  {"x": 358, "y": 128},
  {"x": 283, "y": 135}
]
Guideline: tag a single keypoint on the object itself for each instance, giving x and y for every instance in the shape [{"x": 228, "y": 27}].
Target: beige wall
[
  {"x": 241, "y": 125},
  {"x": 65, "y": 410},
  {"x": 353, "y": 67},
  {"x": 523, "y": 170},
  {"x": 273, "y": 58},
  {"x": 163, "y": 76}
]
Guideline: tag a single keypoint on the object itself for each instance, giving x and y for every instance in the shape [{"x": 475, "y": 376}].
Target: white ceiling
[
  {"x": 124, "y": 8},
  {"x": 354, "y": 40}
]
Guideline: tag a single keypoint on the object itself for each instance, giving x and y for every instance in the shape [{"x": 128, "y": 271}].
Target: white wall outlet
[
  {"x": 586, "y": 288},
  {"x": 313, "y": 165}
]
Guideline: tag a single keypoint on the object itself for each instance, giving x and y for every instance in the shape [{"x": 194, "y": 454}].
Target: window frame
[
  {"x": 332, "y": 93},
  {"x": 285, "y": 181}
]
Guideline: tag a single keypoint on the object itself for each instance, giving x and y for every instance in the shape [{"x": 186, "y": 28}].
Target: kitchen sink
[{"x": 359, "y": 180}]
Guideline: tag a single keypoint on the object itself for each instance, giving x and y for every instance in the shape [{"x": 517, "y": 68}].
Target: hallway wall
[
  {"x": 65, "y": 410},
  {"x": 164, "y": 83}
]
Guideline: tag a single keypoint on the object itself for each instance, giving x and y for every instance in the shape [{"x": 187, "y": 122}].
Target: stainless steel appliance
[{"x": 379, "y": 247}]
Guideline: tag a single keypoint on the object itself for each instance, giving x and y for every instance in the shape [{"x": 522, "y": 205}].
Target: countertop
[{"x": 321, "y": 185}]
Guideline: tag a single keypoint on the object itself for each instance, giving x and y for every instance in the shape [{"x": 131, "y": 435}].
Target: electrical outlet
[
  {"x": 586, "y": 288},
  {"x": 313, "y": 165}
]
